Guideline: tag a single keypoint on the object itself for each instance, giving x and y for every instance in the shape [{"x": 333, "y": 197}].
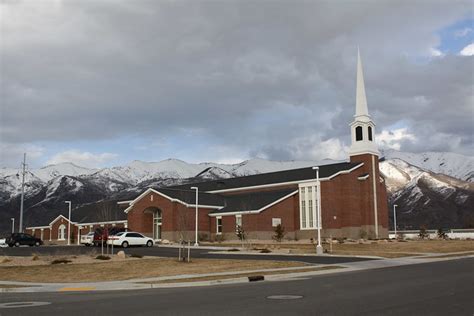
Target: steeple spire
[
  {"x": 362, "y": 128},
  {"x": 361, "y": 99}
]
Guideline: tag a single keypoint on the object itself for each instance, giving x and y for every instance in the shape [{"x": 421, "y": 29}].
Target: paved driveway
[{"x": 172, "y": 252}]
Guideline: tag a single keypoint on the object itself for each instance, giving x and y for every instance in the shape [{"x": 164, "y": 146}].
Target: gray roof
[
  {"x": 251, "y": 201},
  {"x": 270, "y": 178},
  {"x": 189, "y": 196}
]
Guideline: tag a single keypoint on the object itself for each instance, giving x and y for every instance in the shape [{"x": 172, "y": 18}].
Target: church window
[
  {"x": 358, "y": 133},
  {"x": 370, "y": 133}
]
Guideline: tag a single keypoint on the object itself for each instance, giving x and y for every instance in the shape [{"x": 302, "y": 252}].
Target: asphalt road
[
  {"x": 169, "y": 252},
  {"x": 441, "y": 288}
]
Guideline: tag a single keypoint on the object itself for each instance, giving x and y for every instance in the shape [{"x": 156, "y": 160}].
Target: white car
[
  {"x": 126, "y": 239},
  {"x": 88, "y": 239},
  {"x": 3, "y": 242}
]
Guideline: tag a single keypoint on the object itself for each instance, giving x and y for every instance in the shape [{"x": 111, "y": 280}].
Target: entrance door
[{"x": 157, "y": 225}]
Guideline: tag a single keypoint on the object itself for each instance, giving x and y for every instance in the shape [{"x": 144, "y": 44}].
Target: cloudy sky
[{"x": 101, "y": 83}]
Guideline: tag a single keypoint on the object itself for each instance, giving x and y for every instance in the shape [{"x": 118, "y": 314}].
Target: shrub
[
  {"x": 423, "y": 233},
  {"x": 102, "y": 257},
  {"x": 233, "y": 249},
  {"x": 279, "y": 233},
  {"x": 363, "y": 234},
  {"x": 60, "y": 261},
  {"x": 35, "y": 258},
  {"x": 220, "y": 238},
  {"x": 265, "y": 250},
  {"x": 442, "y": 234},
  {"x": 240, "y": 232},
  {"x": 134, "y": 255}
]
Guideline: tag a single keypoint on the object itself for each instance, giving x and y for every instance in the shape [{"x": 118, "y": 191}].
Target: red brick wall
[{"x": 175, "y": 216}]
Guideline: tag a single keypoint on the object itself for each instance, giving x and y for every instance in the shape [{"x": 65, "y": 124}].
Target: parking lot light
[
  {"x": 13, "y": 225},
  {"x": 196, "y": 243},
  {"x": 69, "y": 224}
]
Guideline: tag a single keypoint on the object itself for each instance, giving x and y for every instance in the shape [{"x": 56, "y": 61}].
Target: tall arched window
[
  {"x": 370, "y": 132},
  {"x": 358, "y": 133},
  {"x": 62, "y": 232}
]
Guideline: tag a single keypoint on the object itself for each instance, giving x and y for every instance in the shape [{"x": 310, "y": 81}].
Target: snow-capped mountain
[
  {"x": 451, "y": 164},
  {"x": 436, "y": 185}
]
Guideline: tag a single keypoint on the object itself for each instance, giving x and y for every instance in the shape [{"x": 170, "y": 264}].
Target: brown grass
[
  {"x": 243, "y": 275},
  {"x": 377, "y": 248},
  {"x": 131, "y": 269}
]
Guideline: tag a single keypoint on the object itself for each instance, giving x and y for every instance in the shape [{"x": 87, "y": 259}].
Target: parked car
[
  {"x": 3, "y": 242},
  {"x": 88, "y": 239},
  {"x": 102, "y": 234},
  {"x": 126, "y": 239},
  {"x": 18, "y": 239}
]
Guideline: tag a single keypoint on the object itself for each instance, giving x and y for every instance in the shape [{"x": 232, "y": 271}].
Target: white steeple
[
  {"x": 361, "y": 99},
  {"x": 362, "y": 128}
]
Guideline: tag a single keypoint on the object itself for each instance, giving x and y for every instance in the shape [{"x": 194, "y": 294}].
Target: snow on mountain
[
  {"x": 451, "y": 164},
  {"x": 50, "y": 172}
]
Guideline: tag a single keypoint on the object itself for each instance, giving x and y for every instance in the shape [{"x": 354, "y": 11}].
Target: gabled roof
[
  {"x": 326, "y": 172},
  {"x": 185, "y": 197}
]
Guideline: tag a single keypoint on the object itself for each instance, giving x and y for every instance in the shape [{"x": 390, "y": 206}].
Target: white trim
[
  {"x": 363, "y": 177},
  {"x": 107, "y": 222},
  {"x": 234, "y": 213},
  {"x": 51, "y": 224},
  {"x": 286, "y": 183},
  {"x": 217, "y": 225},
  {"x": 141, "y": 196},
  {"x": 125, "y": 202},
  {"x": 254, "y": 211},
  {"x": 37, "y": 227}
]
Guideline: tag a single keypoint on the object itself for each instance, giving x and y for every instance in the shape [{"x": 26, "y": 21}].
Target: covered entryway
[{"x": 157, "y": 221}]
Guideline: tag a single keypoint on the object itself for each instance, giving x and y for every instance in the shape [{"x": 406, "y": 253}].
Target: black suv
[{"x": 17, "y": 239}]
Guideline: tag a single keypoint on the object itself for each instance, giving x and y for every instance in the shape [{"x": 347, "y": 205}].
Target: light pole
[
  {"x": 13, "y": 225},
  {"x": 23, "y": 166},
  {"x": 319, "y": 248},
  {"x": 395, "y": 219},
  {"x": 197, "y": 201},
  {"x": 69, "y": 224}
]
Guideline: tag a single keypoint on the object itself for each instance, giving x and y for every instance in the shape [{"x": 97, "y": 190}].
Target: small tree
[
  {"x": 442, "y": 234},
  {"x": 279, "y": 233},
  {"x": 240, "y": 232},
  {"x": 423, "y": 233}
]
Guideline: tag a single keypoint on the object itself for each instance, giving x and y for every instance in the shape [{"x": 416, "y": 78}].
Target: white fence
[{"x": 433, "y": 234}]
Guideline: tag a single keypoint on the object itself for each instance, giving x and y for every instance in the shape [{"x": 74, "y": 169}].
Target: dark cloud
[{"x": 276, "y": 79}]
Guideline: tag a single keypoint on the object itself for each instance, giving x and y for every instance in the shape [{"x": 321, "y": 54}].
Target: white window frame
[
  {"x": 218, "y": 218},
  {"x": 238, "y": 220},
  {"x": 63, "y": 234},
  {"x": 305, "y": 203}
]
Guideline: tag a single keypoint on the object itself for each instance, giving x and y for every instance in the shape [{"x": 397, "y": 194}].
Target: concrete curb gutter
[{"x": 289, "y": 254}]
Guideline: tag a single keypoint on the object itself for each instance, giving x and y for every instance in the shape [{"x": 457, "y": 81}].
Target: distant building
[{"x": 353, "y": 198}]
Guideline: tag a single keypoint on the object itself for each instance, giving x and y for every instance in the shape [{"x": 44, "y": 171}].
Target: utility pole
[
  {"x": 23, "y": 165},
  {"x": 13, "y": 225}
]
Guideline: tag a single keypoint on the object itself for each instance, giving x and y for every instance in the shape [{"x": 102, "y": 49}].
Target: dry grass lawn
[
  {"x": 382, "y": 248},
  {"x": 131, "y": 269}
]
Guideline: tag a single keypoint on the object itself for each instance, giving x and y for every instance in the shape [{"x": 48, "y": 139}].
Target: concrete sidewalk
[{"x": 135, "y": 284}]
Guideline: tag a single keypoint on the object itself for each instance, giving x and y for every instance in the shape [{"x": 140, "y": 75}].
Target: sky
[{"x": 101, "y": 83}]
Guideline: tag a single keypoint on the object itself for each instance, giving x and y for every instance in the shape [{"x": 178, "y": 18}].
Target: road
[
  {"x": 440, "y": 288},
  {"x": 170, "y": 252}
]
